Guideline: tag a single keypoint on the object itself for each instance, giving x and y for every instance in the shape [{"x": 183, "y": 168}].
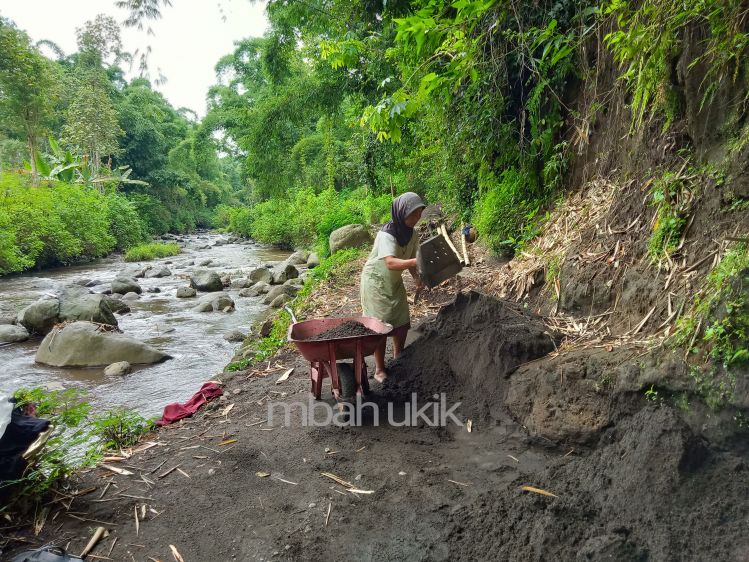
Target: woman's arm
[{"x": 397, "y": 264}]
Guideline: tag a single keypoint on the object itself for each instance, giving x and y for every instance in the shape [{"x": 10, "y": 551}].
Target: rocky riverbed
[{"x": 188, "y": 323}]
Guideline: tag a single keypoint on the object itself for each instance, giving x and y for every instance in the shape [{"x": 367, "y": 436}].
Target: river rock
[
  {"x": 242, "y": 283},
  {"x": 283, "y": 272},
  {"x": 266, "y": 327},
  {"x": 313, "y": 260},
  {"x": 298, "y": 258},
  {"x": 153, "y": 290},
  {"x": 13, "y": 334},
  {"x": 118, "y": 369},
  {"x": 215, "y": 303},
  {"x": 93, "y": 283},
  {"x": 157, "y": 272},
  {"x": 84, "y": 344},
  {"x": 295, "y": 282},
  {"x": 124, "y": 285},
  {"x": 280, "y": 300},
  {"x": 261, "y": 274},
  {"x": 207, "y": 281},
  {"x": 205, "y": 263},
  {"x": 349, "y": 236},
  {"x": 41, "y": 316},
  {"x": 234, "y": 336},
  {"x": 76, "y": 303},
  {"x": 186, "y": 292},
  {"x": 116, "y": 305},
  {"x": 130, "y": 297},
  {"x": 287, "y": 290}
]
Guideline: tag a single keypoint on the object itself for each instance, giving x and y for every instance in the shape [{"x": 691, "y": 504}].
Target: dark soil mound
[
  {"x": 348, "y": 329},
  {"x": 468, "y": 351},
  {"x": 652, "y": 490}
]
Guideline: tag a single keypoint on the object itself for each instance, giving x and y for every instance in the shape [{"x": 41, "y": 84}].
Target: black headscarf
[{"x": 403, "y": 205}]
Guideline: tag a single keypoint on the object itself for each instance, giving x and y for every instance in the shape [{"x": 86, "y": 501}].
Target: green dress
[{"x": 383, "y": 294}]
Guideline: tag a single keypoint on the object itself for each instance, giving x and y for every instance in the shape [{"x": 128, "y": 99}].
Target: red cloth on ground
[{"x": 174, "y": 412}]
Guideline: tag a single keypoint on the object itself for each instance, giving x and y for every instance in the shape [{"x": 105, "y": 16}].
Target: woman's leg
[
  {"x": 399, "y": 339},
  {"x": 379, "y": 357}
]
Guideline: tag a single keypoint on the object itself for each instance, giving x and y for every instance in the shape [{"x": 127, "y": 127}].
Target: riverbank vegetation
[
  {"x": 79, "y": 439},
  {"x": 91, "y": 162},
  {"x": 152, "y": 251}
]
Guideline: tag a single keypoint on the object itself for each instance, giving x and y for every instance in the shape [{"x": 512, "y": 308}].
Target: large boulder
[
  {"x": 124, "y": 285},
  {"x": 283, "y": 272},
  {"x": 261, "y": 274},
  {"x": 298, "y": 258},
  {"x": 207, "y": 281},
  {"x": 13, "y": 334},
  {"x": 156, "y": 272},
  {"x": 349, "y": 236},
  {"x": 256, "y": 290},
  {"x": 280, "y": 300},
  {"x": 288, "y": 290},
  {"x": 41, "y": 316},
  {"x": 85, "y": 344},
  {"x": 76, "y": 303},
  {"x": 313, "y": 260},
  {"x": 219, "y": 302}
]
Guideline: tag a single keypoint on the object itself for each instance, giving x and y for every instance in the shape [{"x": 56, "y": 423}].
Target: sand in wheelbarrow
[
  {"x": 348, "y": 329},
  {"x": 468, "y": 352}
]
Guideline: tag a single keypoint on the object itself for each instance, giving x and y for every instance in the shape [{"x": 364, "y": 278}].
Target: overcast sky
[{"x": 189, "y": 39}]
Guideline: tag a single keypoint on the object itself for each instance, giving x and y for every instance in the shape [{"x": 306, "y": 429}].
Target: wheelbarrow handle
[{"x": 291, "y": 313}]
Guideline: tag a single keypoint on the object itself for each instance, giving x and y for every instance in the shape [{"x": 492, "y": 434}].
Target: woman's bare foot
[{"x": 380, "y": 375}]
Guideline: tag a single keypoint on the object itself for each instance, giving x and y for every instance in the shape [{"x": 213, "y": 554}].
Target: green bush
[
  {"x": 53, "y": 224},
  {"x": 152, "y": 251},
  {"x": 124, "y": 222},
  {"x": 304, "y": 218},
  {"x": 505, "y": 214}
]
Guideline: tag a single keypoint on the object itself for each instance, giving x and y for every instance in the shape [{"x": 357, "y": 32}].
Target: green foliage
[
  {"x": 647, "y": 42},
  {"x": 505, "y": 215},
  {"x": 119, "y": 428},
  {"x": 29, "y": 87},
  {"x": 152, "y": 251},
  {"x": 78, "y": 440},
  {"x": 306, "y": 219},
  {"x": 67, "y": 449},
  {"x": 718, "y": 325},
  {"x": 52, "y": 225},
  {"x": 124, "y": 222}
]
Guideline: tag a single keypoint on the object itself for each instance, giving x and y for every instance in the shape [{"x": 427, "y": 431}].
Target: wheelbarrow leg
[
  {"x": 316, "y": 376},
  {"x": 359, "y": 376},
  {"x": 335, "y": 384}
]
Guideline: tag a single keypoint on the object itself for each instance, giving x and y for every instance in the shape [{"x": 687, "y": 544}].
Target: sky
[{"x": 189, "y": 39}]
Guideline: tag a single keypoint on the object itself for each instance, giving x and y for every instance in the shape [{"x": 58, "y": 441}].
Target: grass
[
  {"x": 152, "y": 251},
  {"x": 717, "y": 326}
]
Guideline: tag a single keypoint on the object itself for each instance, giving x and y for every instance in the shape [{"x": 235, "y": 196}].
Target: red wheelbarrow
[{"x": 323, "y": 354}]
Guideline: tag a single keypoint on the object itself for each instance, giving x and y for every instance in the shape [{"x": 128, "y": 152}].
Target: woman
[{"x": 383, "y": 294}]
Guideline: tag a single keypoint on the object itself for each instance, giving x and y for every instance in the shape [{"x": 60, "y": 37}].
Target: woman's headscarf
[{"x": 403, "y": 205}]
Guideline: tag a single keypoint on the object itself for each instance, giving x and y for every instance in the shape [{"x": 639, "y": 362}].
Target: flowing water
[{"x": 194, "y": 339}]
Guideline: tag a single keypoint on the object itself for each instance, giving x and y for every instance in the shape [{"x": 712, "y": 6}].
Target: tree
[
  {"x": 91, "y": 121},
  {"x": 28, "y": 86}
]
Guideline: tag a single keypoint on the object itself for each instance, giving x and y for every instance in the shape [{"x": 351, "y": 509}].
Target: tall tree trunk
[{"x": 32, "y": 158}]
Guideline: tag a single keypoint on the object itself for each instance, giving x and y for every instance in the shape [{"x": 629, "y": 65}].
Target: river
[{"x": 194, "y": 339}]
